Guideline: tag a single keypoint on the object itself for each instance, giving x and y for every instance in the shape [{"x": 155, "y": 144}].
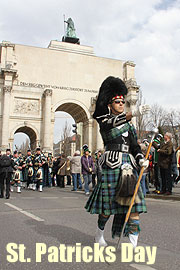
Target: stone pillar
[
  {"x": 5, "y": 116},
  {"x": 47, "y": 120},
  {"x": 133, "y": 88},
  {"x": 87, "y": 133},
  {"x": 99, "y": 141},
  {"x": 90, "y": 130}
]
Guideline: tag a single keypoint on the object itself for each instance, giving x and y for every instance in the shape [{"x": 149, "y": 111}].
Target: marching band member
[
  {"x": 29, "y": 169},
  {"x": 120, "y": 161},
  {"x": 17, "y": 175},
  {"x": 38, "y": 172}
]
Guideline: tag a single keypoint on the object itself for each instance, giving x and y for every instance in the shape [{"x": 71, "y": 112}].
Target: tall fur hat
[{"x": 110, "y": 88}]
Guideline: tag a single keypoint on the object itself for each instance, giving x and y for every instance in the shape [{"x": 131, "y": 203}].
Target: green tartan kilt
[{"x": 102, "y": 199}]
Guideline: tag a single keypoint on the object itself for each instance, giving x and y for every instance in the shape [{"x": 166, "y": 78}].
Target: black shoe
[
  {"x": 73, "y": 189},
  {"x": 1, "y": 196},
  {"x": 7, "y": 196}
]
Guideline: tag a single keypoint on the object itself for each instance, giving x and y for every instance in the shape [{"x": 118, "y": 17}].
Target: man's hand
[{"x": 129, "y": 116}]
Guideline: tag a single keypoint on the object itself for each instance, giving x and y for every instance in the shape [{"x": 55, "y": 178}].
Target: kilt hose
[{"x": 102, "y": 199}]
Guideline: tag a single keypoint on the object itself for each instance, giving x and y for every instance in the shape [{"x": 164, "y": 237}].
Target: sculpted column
[
  {"x": 99, "y": 141},
  {"x": 47, "y": 120},
  {"x": 90, "y": 130},
  {"x": 5, "y": 117},
  {"x": 87, "y": 136},
  {"x": 132, "y": 97}
]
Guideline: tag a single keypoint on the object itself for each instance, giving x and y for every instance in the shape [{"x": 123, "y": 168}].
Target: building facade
[{"x": 36, "y": 82}]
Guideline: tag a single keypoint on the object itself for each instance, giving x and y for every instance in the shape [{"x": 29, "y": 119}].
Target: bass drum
[
  {"x": 39, "y": 174},
  {"x": 30, "y": 171},
  {"x": 17, "y": 175}
]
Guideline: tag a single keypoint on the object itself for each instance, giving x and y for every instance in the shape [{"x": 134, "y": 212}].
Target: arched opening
[
  {"x": 27, "y": 136},
  {"x": 75, "y": 110},
  {"x": 66, "y": 115}
]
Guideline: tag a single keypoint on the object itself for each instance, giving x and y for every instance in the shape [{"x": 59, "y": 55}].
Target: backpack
[{"x": 5, "y": 161}]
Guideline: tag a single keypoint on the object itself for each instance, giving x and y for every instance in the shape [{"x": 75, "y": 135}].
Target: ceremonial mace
[{"x": 136, "y": 188}]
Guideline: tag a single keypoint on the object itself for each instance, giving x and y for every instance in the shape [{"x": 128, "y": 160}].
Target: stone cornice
[
  {"x": 7, "y": 44},
  {"x": 130, "y": 63},
  {"x": 9, "y": 70}
]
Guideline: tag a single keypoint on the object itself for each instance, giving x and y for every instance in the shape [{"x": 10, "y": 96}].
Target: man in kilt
[
  {"x": 119, "y": 165},
  {"x": 38, "y": 162},
  {"x": 17, "y": 175},
  {"x": 29, "y": 169}
]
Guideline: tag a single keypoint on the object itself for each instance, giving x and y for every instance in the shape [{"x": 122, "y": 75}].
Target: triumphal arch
[{"x": 36, "y": 82}]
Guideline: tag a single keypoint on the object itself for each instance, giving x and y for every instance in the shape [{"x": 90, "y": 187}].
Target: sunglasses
[{"x": 118, "y": 101}]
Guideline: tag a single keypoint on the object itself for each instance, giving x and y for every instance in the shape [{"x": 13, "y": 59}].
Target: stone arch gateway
[
  {"x": 35, "y": 82},
  {"x": 30, "y": 132}
]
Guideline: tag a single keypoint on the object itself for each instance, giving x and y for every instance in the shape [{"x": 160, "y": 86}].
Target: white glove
[{"x": 144, "y": 163}]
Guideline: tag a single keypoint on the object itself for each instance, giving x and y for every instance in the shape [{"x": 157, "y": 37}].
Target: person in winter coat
[
  {"x": 164, "y": 162},
  {"x": 87, "y": 169},
  {"x": 6, "y": 170},
  {"x": 75, "y": 162},
  {"x": 61, "y": 171},
  {"x": 178, "y": 163}
]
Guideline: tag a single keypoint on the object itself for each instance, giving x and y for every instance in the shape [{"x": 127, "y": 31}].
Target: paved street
[{"x": 57, "y": 216}]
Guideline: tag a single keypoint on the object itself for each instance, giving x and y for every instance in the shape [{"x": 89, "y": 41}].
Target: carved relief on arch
[{"x": 25, "y": 106}]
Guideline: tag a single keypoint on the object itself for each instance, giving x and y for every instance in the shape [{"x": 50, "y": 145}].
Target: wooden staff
[{"x": 135, "y": 192}]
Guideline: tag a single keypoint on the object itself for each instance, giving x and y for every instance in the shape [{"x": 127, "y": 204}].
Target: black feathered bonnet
[{"x": 110, "y": 88}]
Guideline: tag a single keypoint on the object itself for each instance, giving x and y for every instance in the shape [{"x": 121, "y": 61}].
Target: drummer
[
  {"x": 17, "y": 175},
  {"x": 29, "y": 169}
]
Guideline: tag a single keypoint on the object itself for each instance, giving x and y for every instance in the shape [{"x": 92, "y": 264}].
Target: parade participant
[
  {"x": 17, "y": 175},
  {"x": 87, "y": 166},
  {"x": 6, "y": 171},
  {"x": 22, "y": 164},
  {"x": 113, "y": 192},
  {"x": 29, "y": 171},
  {"x": 38, "y": 173}
]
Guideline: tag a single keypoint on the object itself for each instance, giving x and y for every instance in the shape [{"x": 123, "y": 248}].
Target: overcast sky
[{"x": 144, "y": 31}]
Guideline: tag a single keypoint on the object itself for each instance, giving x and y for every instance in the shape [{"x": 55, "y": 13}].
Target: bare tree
[
  {"x": 24, "y": 147},
  {"x": 65, "y": 138},
  {"x": 173, "y": 123},
  {"x": 158, "y": 117},
  {"x": 166, "y": 121}
]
